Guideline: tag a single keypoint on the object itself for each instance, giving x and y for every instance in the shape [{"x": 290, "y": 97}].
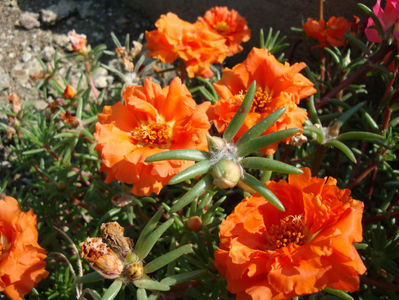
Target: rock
[
  {"x": 100, "y": 78},
  {"x": 48, "y": 16},
  {"x": 28, "y": 20},
  {"x": 56, "y": 12},
  {"x": 26, "y": 57},
  {"x": 33, "y": 67},
  {"x": 47, "y": 53},
  {"x": 61, "y": 40},
  {"x": 19, "y": 73},
  {"x": 4, "y": 79}
]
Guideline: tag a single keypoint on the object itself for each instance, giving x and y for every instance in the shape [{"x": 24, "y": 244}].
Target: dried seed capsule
[
  {"x": 101, "y": 258},
  {"x": 134, "y": 271},
  {"x": 113, "y": 233}
]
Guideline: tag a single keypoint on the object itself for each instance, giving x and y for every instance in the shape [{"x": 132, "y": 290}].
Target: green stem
[{"x": 318, "y": 158}]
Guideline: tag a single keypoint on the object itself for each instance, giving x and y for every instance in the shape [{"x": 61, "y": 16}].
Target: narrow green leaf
[
  {"x": 141, "y": 294},
  {"x": 116, "y": 41},
  {"x": 338, "y": 293},
  {"x": 255, "y": 184},
  {"x": 113, "y": 290},
  {"x": 109, "y": 214},
  {"x": 199, "y": 168},
  {"x": 343, "y": 148},
  {"x": 239, "y": 117},
  {"x": 33, "y": 151},
  {"x": 369, "y": 120},
  {"x": 347, "y": 114},
  {"x": 149, "y": 227},
  {"x": 357, "y": 42},
  {"x": 179, "y": 154},
  {"x": 377, "y": 22},
  {"x": 359, "y": 135},
  {"x": 261, "y": 127},
  {"x": 183, "y": 277},
  {"x": 149, "y": 284},
  {"x": 268, "y": 164},
  {"x": 89, "y": 278},
  {"x": 210, "y": 87},
  {"x": 200, "y": 187},
  {"x": 263, "y": 141},
  {"x": 261, "y": 39},
  {"x": 312, "y": 111},
  {"x": 333, "y": 55},
  {"x": 150, "y": 240},
  {"x": 314, "y": 131},
  {"x": 165, "y": 259}
]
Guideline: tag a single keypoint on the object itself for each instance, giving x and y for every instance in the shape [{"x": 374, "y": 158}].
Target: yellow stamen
[
  {"x": 4, "y": 245},
  {"x": 152, "y": 134},
  {"x": 221, "y": 27},
  {"x": 262, "y": 99},
  {"x": 290, "y": 230}
]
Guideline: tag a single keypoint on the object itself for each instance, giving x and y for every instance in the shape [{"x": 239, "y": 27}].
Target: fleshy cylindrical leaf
[
  {"x": 150, "y": 240},
  {"x": 113, "y": 290},
  {"x": 359, "y": 135},
  {"x": 264, "y": 141},
  {"x": 199, "y": 168},
  {"x": 255, "y": 184},
  {"x": 179, "y": 154},
  {"x": 239, "y": 117},
  {"x": 343, "y": 148},
  {"x": 149, "y": 284},
  {"x": 200, "y": 187},
  {"x": 149, "y": 227},
  {"x": 261, "y": 127},
  {"x": 183, "y": 277},
  {"x": 165, "y": 259},
  {"x": 268, "y": 164}
]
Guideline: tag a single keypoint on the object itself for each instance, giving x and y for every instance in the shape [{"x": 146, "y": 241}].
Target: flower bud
[
  {"x": 69, "y": 92},
  {"x": 113, "y": 233},
  {"x": 194, "y": 223},
  {"x": 101, "y": 258},
  {"x": 134, "y": 271},
  {"x": 333, "y": 131},
  {"x": 226, "y": 173},
  {"x": 215, "y": 143}
]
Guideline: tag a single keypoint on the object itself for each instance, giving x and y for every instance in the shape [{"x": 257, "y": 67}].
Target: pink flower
[{"x": 388, "y": 17}]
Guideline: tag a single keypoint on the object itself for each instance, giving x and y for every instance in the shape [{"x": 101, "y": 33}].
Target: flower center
[
  {"x": 290, "y": 230},
  {"x": 221, "y": 27},
  {"x": 262, "y": 99},
  {"x": 152, "y": 134},
  {"x": 4, "y": 245}
]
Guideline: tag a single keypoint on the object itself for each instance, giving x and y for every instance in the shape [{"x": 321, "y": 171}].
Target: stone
[
  {"x": 28, "y": 20},
  {"x": 26, "y": 57},
  {"x": 47, "y": 53},
  {"x": 61, "y": 40},
  {"x": 19, "y": 73},
  {"x": 56, "y": 12},
  {"x": 100, "y": 78},
  {"x": 4, "y": 79}
]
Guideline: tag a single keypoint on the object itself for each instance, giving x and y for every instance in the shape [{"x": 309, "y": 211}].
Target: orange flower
[
  {"x": 21, "y": 257},
  {"x": 78, "y": 42},
  {"x": 278, "y": 85},
  {"x": 330, "y": 35},
  {"x": 228, "y": 24},
  {"x": 152, "y": 120},
  {"x": 195, "y": 44},
  {"x": 268, "y": 254},
  {"x": 69, "y": 92}
]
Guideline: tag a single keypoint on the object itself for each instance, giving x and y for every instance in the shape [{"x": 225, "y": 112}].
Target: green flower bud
[{"x": 226, "y": 173}]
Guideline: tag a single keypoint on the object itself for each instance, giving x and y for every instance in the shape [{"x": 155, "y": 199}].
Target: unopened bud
[
  {"x": 134, "y": 271},
  {"x": 69, "y": 92},
  {"x": 298, "y": 140},
  {"x": 194, "y": 223},
  {"x": 333, "y": 131},
  {"x": 61, "y": 185},
  {"x": 113, "y": 233},
  {"x": 101, "y": 258},
  {"x": 136, "y": 49},
  {"x": 215, "y": 143},
  {"x": 226, "y": 173}
]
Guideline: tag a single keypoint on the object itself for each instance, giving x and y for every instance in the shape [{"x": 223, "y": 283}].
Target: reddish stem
[
  {"x": 355, "y": 75},
  {"x": 379, "y": 283},
  {"x": 363, "y": 175},
  {"x": 91, "y": 81},
  {"x": 377, "y": 218}
]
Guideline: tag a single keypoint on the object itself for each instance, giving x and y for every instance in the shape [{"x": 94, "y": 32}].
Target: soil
[{"x": 30, "y": 29}]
